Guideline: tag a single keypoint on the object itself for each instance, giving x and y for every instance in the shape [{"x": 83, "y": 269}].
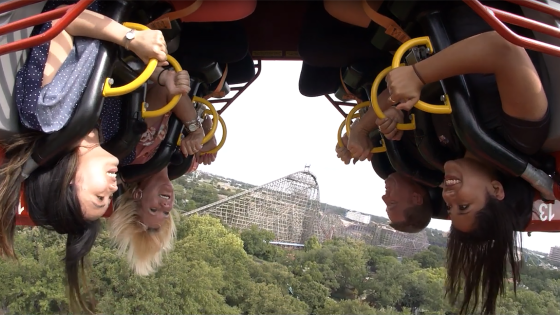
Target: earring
[{"x": 137, "y": 194}]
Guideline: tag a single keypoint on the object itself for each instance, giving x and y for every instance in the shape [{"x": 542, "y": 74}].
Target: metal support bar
[
  {"x": 229, "y": 101},
  {"x": 65, "y": 14},
  {"x": 494, "y": 17}
]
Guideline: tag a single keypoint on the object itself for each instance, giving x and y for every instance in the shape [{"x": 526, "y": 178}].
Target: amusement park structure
[{"x": 290, "y": 207}]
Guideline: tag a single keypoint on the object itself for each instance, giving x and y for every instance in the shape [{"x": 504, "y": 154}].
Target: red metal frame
[
  {"x": 65, "y": 15},
  {"x": 23, "y": 218},
  {"x": 337, "y": 105},
  {"x": 239, "y": 90},
  {"x": 496, "y": 17},
  {"x": 546, "y": 218}
]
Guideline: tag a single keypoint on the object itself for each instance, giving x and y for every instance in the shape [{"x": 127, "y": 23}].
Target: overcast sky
[{"x": 274, "y": 131}]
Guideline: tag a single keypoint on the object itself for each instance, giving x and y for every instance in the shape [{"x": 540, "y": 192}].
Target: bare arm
[
  {"x": 367, "y": 123},
  {"x": 146, "y": 44},
  {"x": 520, "y": 88}
]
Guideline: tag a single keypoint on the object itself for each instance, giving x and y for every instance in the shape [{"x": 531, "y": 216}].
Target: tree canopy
[{"x": 215, "y": 270}]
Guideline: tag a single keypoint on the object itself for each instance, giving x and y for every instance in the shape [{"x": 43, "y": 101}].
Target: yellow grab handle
[
  {"x": 109, "y": 91},
  {"x": 351, "y": 114},
  {"x": 340, "y": 144},
  {"x": 406, "y": 46},
  {"x": 169, "y": 107},
  {"x": 423, "y": 106},
  {"x": 375, "y": 103},
  {"x": 215, "y": 117},
  {"x": 224, "y": 135},
  {"x": 380, "y": 149}
]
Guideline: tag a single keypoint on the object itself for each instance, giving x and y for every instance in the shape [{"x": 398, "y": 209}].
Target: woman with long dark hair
[
  {"x": 68, "y": 196},
  {"x": 484, "y": 205}
]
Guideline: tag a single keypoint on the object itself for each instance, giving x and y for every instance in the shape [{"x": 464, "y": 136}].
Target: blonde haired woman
[{"x": 142, "y": 225}]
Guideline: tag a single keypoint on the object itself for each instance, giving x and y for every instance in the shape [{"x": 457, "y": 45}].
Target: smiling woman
[
  {"x": 96, "y": 177},
  {"x": 71, "y": 194}
]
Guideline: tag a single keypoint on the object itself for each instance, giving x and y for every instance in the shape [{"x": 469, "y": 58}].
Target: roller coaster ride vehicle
[{"x": 229, "y": 35}]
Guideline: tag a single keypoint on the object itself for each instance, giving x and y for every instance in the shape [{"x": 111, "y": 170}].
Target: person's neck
[
  {"x": 88, "y": 143},
  {"x": 469, "y": 155}
]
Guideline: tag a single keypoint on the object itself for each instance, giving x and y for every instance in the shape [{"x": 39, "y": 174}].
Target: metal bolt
[
  {"x": 111, "y": 81},
  {"x": 146, "y": 105},
  {"x": 442, "y": 98},
  {"x": 428, "y": 50}
]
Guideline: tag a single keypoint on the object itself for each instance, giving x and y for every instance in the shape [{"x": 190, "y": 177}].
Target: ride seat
[
  {"x": 352, "y": 12},
  {"x": 327, "y": 42},
  {"x": 552, "y": 66},
  {"x": 206, "y": 45},
  {"x": 162, "y": 157},
  {"x": 131, "y": 122},
  {"x": 239, "y": 72},
  {"x": 10, "y": 64},
  {"x": 495, "y": 151},
  {"x": 216, "y": 11},
  {"x": 318, "y": 81}
]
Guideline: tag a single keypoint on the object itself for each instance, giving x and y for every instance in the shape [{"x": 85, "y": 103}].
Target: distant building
[
  {"x": 554, "y": 254},
  {"x": 359, "y": 217}
]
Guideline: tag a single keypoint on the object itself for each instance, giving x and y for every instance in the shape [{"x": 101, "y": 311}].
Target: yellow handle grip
[
  {"x": 375, "y": 103},
  {"x": 340, "y": 144},
  {"x": 215, "y": 117},
  {"x": 351, "y": 114},
  {"x": 224, "y": 135},
  {"x": 109, "y": 91},
  {"x": 172, "y": 103},
  {"x": 406, "y": 46},
  {"x": 423, "y": 106},
  {"x": 380, "y": 149}
]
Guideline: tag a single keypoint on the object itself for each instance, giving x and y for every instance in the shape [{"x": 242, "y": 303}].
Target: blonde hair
[{"x": 144, "y": 249}]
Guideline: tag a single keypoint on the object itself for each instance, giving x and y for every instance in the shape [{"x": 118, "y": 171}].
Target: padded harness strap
[
  {"x": 391, "y": 27},
  {"x": 175, "y": 15},
  {"x": 218, "y": 93},
  {"x": 349, "y": 95}
]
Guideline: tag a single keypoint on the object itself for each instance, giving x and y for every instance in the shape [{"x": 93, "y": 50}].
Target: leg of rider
[
  {"x": 520, "y": 88},
  {"x": 359, "y": 144}
]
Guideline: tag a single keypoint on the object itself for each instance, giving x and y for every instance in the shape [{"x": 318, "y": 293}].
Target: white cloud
[{"x": 274, "y": 131}]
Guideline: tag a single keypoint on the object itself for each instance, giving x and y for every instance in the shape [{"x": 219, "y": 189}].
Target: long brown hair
[
  {"x": 52, "y": 203},
  {"x": 478, "y": 261},
  {"x": 17, "y": 152}
]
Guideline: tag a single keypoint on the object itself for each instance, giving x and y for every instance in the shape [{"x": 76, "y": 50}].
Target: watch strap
[{"x": 127, "y": 40}]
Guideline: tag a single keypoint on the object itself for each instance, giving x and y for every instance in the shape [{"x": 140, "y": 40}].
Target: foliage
[{"x": 218, "y": 270}]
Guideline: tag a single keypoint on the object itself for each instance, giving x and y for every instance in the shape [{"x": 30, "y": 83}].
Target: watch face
[
  {"x": 193, "y": 127},
  {"x": 130, "y": 35}
]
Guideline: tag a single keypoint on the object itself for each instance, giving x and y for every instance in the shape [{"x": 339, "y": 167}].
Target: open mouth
[
  {"x": 452, "y": 182},
  {"x": 113, "y": 172},
  {"x": 166, "y": 197}
]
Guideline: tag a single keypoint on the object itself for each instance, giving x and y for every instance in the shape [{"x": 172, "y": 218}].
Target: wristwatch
[
  {"x": 128, "y": 37},
  {"x": 193, "y": 125}
]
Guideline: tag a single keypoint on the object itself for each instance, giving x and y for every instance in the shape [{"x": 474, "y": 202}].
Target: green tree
[
  {"x": 256, "y": 242},
  {"x": 312, "y": 243}
]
